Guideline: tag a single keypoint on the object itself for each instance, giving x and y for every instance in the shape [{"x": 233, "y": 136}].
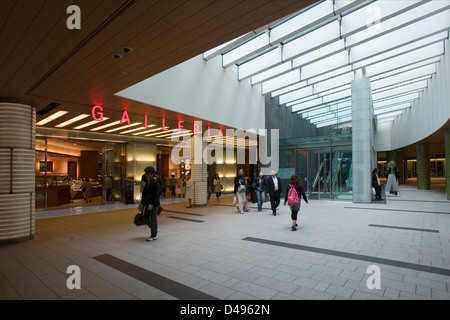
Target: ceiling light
[
  {"x": 121, "y": 128},
  {"x": 51, "y": 118},
  {"x": 88, "y": 124},
  {"x": 106, "y": 126},
  {"x": 66, "y": 123}
]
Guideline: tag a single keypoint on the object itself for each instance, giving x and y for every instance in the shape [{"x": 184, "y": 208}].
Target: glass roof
[{"x": 309, "y": 59}]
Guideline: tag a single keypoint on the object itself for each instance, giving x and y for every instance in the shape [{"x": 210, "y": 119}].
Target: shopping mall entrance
[
  {"x": 74, "y": 173},
  {"x": 113, "y": 171},
  {"x": 323, "y": 163}
]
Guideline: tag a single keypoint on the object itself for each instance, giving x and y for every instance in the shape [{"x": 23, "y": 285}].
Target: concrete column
[
  {"x": 363, "y": 153},
  {"x": 447, "y": 161},
  {"x": 198, "y": 171},
  {"x": 17, "y": 169},
  {"x": 423, "y": 166}
]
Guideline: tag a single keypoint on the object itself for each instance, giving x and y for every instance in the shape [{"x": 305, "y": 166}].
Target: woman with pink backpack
[{"x": 292, "y": 198}]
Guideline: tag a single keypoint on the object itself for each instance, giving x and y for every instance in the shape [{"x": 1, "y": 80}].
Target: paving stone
[
  {"x": 254, "y": 290},
  {"x": 340, "y": 291}
]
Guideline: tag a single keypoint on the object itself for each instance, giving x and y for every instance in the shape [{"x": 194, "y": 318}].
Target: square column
[
  {"x": 447, "y": 162},
  {"x": 364, "y": 155},
  {"x": 423, "y": 166}
]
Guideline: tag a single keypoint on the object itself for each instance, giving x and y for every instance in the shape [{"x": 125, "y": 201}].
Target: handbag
[
  {"x": 178, "y": 190},
  {"x": 139, "y": 219}
]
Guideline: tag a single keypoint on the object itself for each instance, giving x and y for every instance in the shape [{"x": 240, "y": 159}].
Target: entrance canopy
[{"x": 309, "y": 59}]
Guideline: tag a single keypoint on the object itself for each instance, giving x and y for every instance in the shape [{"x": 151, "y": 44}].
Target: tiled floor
[{"x": 215, "y": 252}]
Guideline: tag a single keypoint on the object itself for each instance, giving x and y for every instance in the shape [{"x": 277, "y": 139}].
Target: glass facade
[{"x": 323, "y": 163}]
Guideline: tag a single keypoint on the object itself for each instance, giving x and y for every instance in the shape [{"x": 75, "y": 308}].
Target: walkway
[{"x": 214, "y": 252}]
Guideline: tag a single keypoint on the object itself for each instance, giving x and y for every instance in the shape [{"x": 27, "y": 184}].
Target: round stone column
[{"x": 17, "y": 170}]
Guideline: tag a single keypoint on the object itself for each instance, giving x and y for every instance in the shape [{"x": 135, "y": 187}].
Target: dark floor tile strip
[
  {"x": 186, "y": 219},
  {"x": 403, "y": 228},
  {"x": 183, "y": 212},
  {"x": 395, "y": 263},
  {"x": 410, "y": 200},
  {"x": 400, "y": 210},
  {"x": 173, "y": 288},
  {"x": 230, "y": 205}
]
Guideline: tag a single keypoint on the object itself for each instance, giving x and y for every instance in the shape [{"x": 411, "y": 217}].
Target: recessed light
[
  {"x": 117, "y": 56},
  {"x": 127, "y": 50}
]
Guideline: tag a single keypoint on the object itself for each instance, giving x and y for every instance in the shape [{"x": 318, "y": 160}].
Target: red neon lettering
[
  {"x": 125, "y": 117},
  {"x": 145, "y": 121},
  {"x": 163, "y": 124},
  {"x": 196, "y": 128},
  {"x": 209, "y": 129},
  {"x": 96, "y": 113},
  {"x": 220, "y": 135},
  {"x": 179, "y": 125}
]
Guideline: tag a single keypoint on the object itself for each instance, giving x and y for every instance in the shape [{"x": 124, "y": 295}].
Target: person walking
[
  {"x": 217, "y": 186},
  {"x": 150, "y": 200},
  {"x": 87, "y": 190},
  {"x": 376, "y": 184},
  {"x": 173, "y": 183},
  {"x": 259, "y": 185},
  {"x": 182, "y": 186},
  {"x": 293, "y": 198},
  {"x": 163, "y": 186},
  {"x": 189, "y": 190},
  {"x": 208, "y": 186},
  {"x": 108, "y": 187},
  {"x": 274, "y": 190},
  {"x": 240, "y": 188}
]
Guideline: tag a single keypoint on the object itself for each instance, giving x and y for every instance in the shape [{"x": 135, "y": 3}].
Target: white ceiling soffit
[{"x": 308, "y": 60}]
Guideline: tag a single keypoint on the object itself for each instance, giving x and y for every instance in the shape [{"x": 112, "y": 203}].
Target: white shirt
[{"x": 275, "y": 182}]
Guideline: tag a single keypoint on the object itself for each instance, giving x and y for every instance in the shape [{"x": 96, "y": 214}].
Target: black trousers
[
  {"x": 377, "y": 191},
  {"x": 152, "y": 221},
  {"x": 275, "y": 201}
]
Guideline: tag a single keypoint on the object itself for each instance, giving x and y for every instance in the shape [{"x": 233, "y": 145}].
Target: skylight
[{"x": 308, "y": 60}]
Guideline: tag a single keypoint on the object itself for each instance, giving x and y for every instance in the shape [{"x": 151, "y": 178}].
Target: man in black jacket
[
  {"x": 274, "y": 191},
  {"x": 150, "y": 201}
]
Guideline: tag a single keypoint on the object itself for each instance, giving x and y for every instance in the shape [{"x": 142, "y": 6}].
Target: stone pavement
[{"x": 214, "y": 252}]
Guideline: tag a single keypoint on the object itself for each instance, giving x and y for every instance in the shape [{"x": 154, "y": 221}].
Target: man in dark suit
[
  {"x": 150, "y": 201},
  {"x": 274, "y": 191}
]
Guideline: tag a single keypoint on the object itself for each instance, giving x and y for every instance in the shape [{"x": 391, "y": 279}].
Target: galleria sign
[
  {"x": 208, "y": 146},
  {"x": 97, "y": 115}
]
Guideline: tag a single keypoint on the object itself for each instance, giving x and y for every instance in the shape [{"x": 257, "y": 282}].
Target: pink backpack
[{"x": 293, "y": 198}]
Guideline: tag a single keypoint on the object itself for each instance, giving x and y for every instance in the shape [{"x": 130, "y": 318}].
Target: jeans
[
  {"x": 241, "y": 198},
  {"x": 152, "y": 220},
  {"x": 260, "y": 197}
]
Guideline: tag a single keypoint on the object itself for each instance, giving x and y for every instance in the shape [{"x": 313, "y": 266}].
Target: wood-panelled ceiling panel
[
  {"x": 95, "y": 70},
  {"x": 28, "y": 47},
  {"x": 57, "y": 43},
  {"x": 14, "y": 30},
  {"x": 95, "y": 56}
]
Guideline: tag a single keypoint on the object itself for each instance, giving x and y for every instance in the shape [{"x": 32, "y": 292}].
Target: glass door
[
  {"x": 113, "y": 161},
  {"x": 319, "y": 173},
  {"x": 41, "y": 173}
]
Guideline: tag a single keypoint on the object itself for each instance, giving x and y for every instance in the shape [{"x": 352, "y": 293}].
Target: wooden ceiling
[{"x": 42, "y": 61}]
